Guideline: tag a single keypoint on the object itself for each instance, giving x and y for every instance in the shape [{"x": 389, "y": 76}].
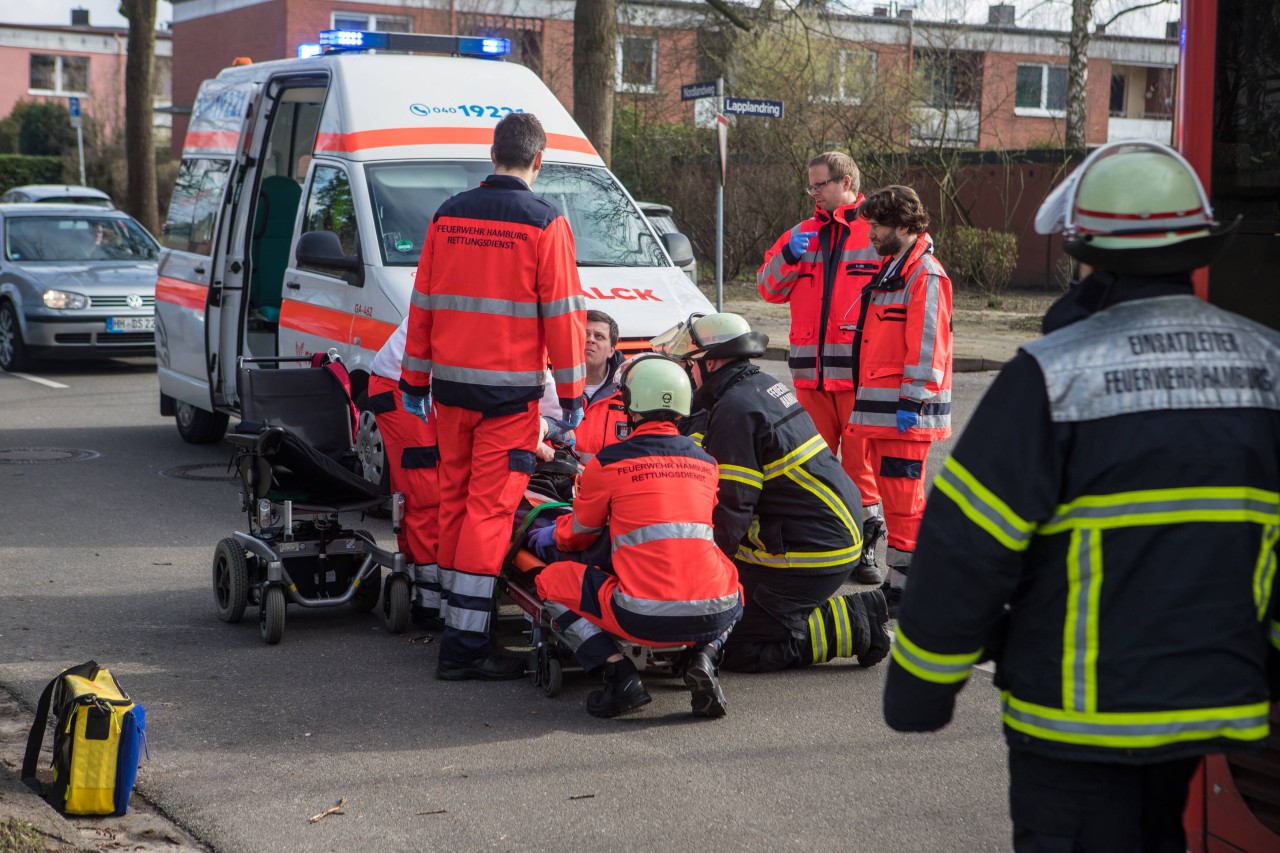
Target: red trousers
[
  {"x": 485, "y": 465},
  {"x": 899, "y": 467},
  {"x": 409, "y": 448},
  {"x": 830, "y": 412}
]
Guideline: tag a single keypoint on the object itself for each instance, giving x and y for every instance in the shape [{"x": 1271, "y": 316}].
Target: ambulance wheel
[
  {"x": 230, "y": 580},
  {"x": 395, "y": 604},
  {"x": 271, "y": 615},
  {"x": 196, "y": 426}
]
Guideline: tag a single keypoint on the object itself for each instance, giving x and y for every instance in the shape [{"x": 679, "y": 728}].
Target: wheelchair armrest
[{"x": 266, "y": 440}]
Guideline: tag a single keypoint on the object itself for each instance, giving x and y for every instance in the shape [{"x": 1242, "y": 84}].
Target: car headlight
[{"x": 62, "y": 299}]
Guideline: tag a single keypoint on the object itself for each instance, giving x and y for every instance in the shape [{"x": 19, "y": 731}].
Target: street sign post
[
  {"x": 73, "y": 106},
  {"x": 753, "y": 107},
  {"x": 693, "y": 91}
]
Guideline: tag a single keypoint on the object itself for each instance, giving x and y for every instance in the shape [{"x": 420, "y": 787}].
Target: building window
[
  {"x": 637, "y": 64},
  {"x": 1041, "y": 90},
  {"x": 950, "y": 79},
  {"x": 60, "y": 75},
  {"x": 849, "y": 77},
  {"x": 374, "y": 23}
]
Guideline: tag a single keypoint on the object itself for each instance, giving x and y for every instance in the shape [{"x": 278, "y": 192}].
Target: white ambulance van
[{"x": 305, "y": 191}]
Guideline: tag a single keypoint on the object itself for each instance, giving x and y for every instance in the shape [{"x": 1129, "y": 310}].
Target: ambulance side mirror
[
  {"x": 678, "y": 247},
  {"x": 323, "y": 250}
]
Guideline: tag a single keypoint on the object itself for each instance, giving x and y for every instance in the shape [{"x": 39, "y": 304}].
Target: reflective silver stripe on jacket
[
  {"x": 483, "y": 305},
  {"x": 928, "y": 420},
  {"x": 568, "y": 375},
  {"x": 1158, "y": 354},
  {"x": 420, "y": 300},
  {"x": 580, "y": 528},
  {"x": 479, "y": 376},
  {"x": 421, "y": 365},
  {"x": 665, "y": 530},
  {"x": 568, "y": 305},
  {"x": 654, "y": 607},
  {"x": 923, "y": 369}
]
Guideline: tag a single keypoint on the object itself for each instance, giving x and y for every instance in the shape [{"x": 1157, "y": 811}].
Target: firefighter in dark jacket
[
  {"x": 788, "y": 514},
  {"x": 1067, "y": 537}
]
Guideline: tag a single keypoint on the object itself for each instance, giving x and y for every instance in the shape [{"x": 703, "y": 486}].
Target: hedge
[{"x": 17, "y": 170}]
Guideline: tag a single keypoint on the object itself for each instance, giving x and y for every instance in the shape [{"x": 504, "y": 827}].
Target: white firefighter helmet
[
  {"x": 1134, "y": 207},
  {"x": 652, "y": 383}
]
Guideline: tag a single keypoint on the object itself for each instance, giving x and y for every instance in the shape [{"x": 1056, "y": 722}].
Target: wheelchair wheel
[
  {"x": 271, "y": 615},
  {"x": 230, "y": 580},
  {"x": 395, "y": 604}
]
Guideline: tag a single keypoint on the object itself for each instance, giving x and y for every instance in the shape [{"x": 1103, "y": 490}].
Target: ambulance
[{"x": 305, "y": 191}]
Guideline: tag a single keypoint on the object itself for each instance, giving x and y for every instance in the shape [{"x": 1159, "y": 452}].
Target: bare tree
[
  {"x": 138, "y": 108},
  {"x": 595, "y": 36}
]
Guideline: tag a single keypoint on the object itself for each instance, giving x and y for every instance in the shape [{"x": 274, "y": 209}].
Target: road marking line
[{"x": 39, "y": 380}]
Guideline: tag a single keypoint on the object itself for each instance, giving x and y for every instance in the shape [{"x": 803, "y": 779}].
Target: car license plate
[{"x": 131, "y": 324}]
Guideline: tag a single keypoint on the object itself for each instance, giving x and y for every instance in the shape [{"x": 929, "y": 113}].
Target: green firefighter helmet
[
  {"x": 711, "y": 336},
  {"x": 1137, "y": 208},
  {"x": 652, "y": 383}
]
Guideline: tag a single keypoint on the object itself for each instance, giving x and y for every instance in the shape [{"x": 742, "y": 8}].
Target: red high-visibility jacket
[
  {"x": 654, "y": 493},
  {"x": 496, "y": 294},
  {"x": 904, "y": 353},
  {"x": 604, "y": 423},
  {"x": 823, "y": 295}
]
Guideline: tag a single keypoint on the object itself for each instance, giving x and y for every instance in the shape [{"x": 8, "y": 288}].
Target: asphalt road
[{"x": 105, "y": 554}]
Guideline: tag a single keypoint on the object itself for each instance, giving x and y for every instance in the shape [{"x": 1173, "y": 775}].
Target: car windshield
[
  {"x": 76, "y": 238},
  {"x": 607, "y": 229}
]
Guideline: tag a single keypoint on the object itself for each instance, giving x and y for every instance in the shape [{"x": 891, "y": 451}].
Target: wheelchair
[
  {"x": 299, "y": 475},
  {"x": 550, "y": 494}
]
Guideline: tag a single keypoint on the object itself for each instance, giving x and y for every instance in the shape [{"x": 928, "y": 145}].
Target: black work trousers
[
  {"x": 1088, "y": 807},
  {"x": 774, "y": 633}
]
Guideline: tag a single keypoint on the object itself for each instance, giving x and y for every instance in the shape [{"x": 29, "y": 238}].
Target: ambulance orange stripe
[
  {"x": 372, "y": 333},
  {"x": 184, "y": 294},
  {"x": 316, "y": 320},
  {"x": 361, "y": 140},
  {"x": 224, "y": 140}
]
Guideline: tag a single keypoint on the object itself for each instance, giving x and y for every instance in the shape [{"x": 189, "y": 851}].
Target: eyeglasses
[{"x": 814, "y": 189}]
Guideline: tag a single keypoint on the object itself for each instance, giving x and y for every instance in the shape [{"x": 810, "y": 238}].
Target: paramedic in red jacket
[
  {"x": 821, "y": 267},
  {"x": 652, "y": 495},
  {"x": 411, "y": 457},
  {"x": 496, "y": 295},
  {"x": 904, "y": 367}
]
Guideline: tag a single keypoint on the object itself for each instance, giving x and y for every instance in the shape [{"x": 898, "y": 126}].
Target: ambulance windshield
[{"x": 607, "y": 228}]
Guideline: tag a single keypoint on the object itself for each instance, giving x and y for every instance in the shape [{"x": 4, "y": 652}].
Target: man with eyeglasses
[{"x": 822, "y": 267}]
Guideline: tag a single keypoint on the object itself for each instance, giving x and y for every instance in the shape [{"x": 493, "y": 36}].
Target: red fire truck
[{"x": 1227, "y": 125}]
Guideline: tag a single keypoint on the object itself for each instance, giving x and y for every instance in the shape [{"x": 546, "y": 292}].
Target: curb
[{"x": 959, "y": 363}]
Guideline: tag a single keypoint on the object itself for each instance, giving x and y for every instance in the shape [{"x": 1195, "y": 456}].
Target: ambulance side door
[{"x": 320, "y": 303}]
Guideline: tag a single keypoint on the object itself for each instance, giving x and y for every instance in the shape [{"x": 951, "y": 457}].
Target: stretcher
[{"x": 552, "y": 656}]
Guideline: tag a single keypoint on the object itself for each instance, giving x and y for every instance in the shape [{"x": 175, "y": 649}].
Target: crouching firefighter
[
  {"x": 652, "y": 496},
  {"x": 788, "y": 514}
]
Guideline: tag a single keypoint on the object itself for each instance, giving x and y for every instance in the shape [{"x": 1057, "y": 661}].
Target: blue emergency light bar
[{"x": 340, "y": 41}]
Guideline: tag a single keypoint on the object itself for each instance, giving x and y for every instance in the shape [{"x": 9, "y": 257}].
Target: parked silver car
[
  {"x": 58, "y": 194},
  {"x": 75, "y": 282}
]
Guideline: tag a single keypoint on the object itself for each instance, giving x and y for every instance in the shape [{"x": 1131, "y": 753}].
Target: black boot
[
  {"x": 702, "y": 679},
  {"x": 868, "y": 570},
  {"x": 623, "y": 691},
  {"x": 892, "y": 597},
  {"x": 491, "y": 667}
]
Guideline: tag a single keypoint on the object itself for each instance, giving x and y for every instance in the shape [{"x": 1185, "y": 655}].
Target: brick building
[
  {"x": 992, "y": 85},
  {"x": 53, "y": 63}
]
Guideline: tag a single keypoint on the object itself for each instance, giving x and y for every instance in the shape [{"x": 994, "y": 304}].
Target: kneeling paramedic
[
  {"x": 1110, "y": 463},
  {"x": 652, "y": 496},
  {"x": 788, "y": 514}
]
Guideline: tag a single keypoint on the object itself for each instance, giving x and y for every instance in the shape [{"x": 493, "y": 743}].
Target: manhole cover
[
  {"x": 43, "y": 455},
  {"x": 212, "y": 472}
]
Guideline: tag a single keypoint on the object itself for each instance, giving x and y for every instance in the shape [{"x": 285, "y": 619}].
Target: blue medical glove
[
  {"x": 907, "y": 418},
  {"x": 542, "y": 542},
  {"x": 573, "y": 417},
  {"x": 799, "y": 243},
  {"x": 418, "y": 406}
]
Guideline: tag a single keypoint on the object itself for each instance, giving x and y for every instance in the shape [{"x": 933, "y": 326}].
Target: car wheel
[
  {"x": 13, "y": 352},
  {"x": 196, "y": 426}
]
